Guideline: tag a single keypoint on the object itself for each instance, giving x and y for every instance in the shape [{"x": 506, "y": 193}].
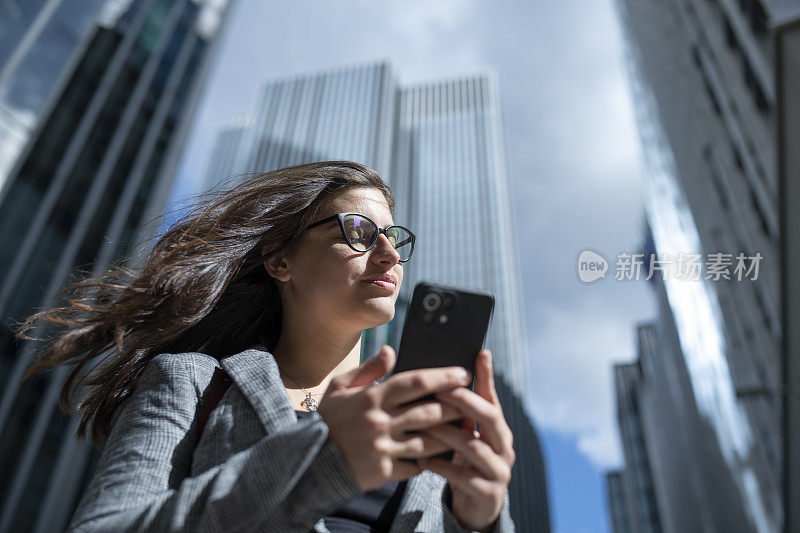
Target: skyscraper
[
  {"x": 637, "y": 478},
  {"x": 442, "y": 149},
  {"x": 702, "y": 75},
  {"x": 37, "y": 39},
  {"x": 453, "y": 187},
  {"x": 99, "y": 162},
  {"x": 227, "y": 149},
  {"x": 618, "y": 511},
  {"x": 345, "y": 113},
  {"x": 675, "y": 477},
  {"x": 452, "y": 182}
]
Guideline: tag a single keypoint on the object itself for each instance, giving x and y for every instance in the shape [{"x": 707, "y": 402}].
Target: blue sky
[{"x": 575, "y": 171}]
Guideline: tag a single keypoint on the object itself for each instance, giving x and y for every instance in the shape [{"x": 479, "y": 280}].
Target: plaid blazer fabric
[{"x": 256, "y": 467}]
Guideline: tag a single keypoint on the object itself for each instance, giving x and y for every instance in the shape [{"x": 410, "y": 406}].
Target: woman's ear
[{"x": 276, "y": 266}]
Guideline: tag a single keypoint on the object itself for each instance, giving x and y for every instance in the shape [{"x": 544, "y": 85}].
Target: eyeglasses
[{"x": 361, "y": 234}]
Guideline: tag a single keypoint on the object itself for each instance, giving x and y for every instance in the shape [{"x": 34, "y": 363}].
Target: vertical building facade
[
  {"x": 227, "y": 149},
  {"x": 788, "y": 102},
  {"x": 618, "y": 511},
  {"x": 451, "y": 178},
  {"x": 637, "y": 479},
  {"x": 37, "y": 40},
  {"x": 345, "y": 113},
  {"x": 441, "y": 148},
  {"x": 675, "y": 477},
  {"x": 99, "y": 162},
  {"x": 452, "y": 183},
  {"x": 702, "y": 77}
]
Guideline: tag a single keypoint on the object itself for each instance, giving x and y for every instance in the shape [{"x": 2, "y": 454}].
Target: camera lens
[
  {"x": 431, "y": 302},
  {"x": 449, "y": 299}
]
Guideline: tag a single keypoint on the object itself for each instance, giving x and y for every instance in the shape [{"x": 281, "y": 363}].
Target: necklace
[{"x": 308, "y": 402}]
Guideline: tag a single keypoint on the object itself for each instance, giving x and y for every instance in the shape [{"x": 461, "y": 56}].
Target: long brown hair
[{"x": 202, "y": 287}]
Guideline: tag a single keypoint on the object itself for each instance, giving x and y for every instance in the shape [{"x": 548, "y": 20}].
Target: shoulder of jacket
[
  {"x": 193, "y": 368},
  {"x": 189, "y": 359},
  {"x": 196, "y": 366}
]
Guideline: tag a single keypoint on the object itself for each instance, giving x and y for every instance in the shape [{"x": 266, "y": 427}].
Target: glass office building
[
  {"x": 702, "y": 77},
  {"x": 441, "y": 148},
  {"x": 637, "y": 491},
  {"x": 675, "y": 477},
  {"x": 617, "y": 506},
  {"x": 226, "y": 151},
  {"x": 451, "y": 179},
  {"x": 452, "y": 183},
  {"x": 345, "y": 113},
  {"x": 98, "y": 161},
  {"x": 37, "y": 40}
]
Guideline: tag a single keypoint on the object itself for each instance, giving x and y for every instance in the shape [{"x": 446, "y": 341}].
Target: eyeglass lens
[{"x": 361, "y": 233}]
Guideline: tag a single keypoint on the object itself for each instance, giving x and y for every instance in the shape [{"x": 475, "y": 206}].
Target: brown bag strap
[{"x": 220, "y": 382}]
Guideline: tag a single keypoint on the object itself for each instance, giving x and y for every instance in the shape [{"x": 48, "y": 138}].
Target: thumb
[{"x": 372, "y": 369}]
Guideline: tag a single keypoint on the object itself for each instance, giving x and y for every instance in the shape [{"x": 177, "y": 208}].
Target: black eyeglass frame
[{"x": 340, "y": 218}]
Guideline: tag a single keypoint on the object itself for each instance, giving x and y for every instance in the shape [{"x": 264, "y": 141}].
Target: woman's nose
[{"x": 384, "y": 248}]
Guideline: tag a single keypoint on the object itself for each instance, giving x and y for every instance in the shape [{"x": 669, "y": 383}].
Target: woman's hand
[
  {"x": 481, "y": 467},
  {"x": 369, "y": 422}
]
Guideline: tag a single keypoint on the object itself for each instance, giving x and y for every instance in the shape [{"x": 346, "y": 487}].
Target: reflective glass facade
[
  {"x": 452, "y": 184},
  {"x": 100, "y": 159},
  {"x": 702, "y": 79},
  {"x": 637, "y": 479},
  {"x": 617, "y": 506},
  {"x": 37, "y": 40},
  {"x": 453, "y": 188}
]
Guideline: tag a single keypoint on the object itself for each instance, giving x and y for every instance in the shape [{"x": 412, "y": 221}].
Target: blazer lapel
[
  {"x": 418, "y": 510},
  {"x": 256, "y": 374}
]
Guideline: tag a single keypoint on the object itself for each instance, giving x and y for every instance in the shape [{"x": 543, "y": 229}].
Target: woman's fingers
[
  {"x": 464, "y": 477},
  {"x": 484, "y": 379},
  {"x": 493, "y": 428},
  {"x": 476, "y": 452},
  {"x": 412, "y": 385},
  {"x": 422, "y": 415},
  {"x": 483, "y": 406},
  {"x": 402, "y": 470},
  {"x": 418, "y": 446}
]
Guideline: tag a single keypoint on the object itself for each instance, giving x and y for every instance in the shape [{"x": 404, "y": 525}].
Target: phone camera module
[
  {"x": 448, "y": 301},
  {"x": 431, "y": 302}
]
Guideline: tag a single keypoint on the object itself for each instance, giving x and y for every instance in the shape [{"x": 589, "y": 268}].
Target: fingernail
[{"x": 463, "y": 373}]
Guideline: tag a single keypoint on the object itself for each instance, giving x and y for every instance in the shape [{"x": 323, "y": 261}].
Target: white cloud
[{"x": 573, "y": 352}]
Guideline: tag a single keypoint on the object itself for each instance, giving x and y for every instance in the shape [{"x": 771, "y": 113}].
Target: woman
[{"x": 274, "y": 281}]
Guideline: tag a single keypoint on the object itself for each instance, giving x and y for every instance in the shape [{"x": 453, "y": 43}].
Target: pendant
[{"x": 309, "y": 403}]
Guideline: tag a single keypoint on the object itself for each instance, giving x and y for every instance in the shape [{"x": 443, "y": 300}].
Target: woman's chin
[{"x": 380, "y": 312}]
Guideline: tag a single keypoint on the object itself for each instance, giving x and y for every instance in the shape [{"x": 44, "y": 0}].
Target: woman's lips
[{"x": 382, "y": 284}]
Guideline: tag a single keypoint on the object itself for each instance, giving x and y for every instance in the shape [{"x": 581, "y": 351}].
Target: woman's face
[{"x": 327, "y": 280}]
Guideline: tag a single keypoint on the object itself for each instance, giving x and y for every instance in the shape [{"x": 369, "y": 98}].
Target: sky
[{"x": 576, "y": 176}]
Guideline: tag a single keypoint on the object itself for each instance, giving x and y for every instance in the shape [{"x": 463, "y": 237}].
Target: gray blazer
[{"x": 256, "y": 467}]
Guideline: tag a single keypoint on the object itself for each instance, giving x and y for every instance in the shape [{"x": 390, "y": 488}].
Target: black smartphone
[{"x": 444, "y": 326}]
